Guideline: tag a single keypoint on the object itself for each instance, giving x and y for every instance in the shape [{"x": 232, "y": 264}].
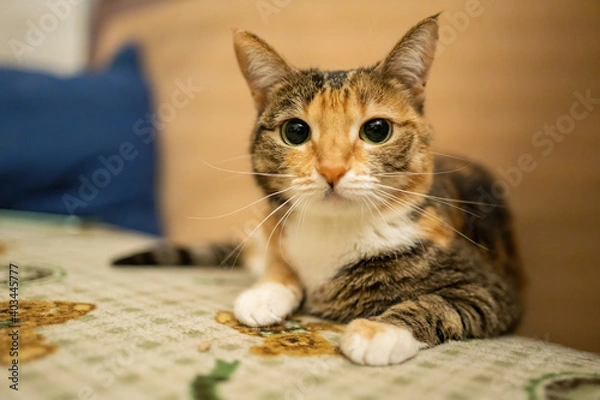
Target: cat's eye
[
  {"x": 295, "y": 132},
  {"x": 376, "y": 131}
]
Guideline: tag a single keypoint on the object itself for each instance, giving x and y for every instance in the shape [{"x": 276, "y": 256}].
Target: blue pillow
[{"x": 82, "y": 145}]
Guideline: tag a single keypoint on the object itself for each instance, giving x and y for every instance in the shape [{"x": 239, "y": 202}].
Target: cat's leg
[
  {"x": 405, "y": 328},
  {"x": 272, "y": 299},
  {"x": 276, "y": 295}
]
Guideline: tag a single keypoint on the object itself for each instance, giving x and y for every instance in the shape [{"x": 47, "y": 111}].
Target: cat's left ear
[
  {"x": 411, "y": 59},
  {"x": 261, "y": 65}
]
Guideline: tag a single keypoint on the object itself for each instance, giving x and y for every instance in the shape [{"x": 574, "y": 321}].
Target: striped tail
[{"x": 172, "y": 255}]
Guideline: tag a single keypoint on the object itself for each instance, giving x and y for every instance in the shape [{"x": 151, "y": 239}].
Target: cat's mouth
[
  {"x": 334, "y": 202},
  {"x": 334, "y": 197}
]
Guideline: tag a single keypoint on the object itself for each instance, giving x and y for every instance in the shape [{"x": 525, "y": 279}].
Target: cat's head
[{"x": 341, "y": 140}]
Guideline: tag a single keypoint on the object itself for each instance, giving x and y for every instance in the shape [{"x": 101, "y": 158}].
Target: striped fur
[{"x": 168, "y": 254}]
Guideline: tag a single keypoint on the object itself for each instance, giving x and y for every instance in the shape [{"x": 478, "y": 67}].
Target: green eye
[
  {"x": 295, "y": 132},
  {"x": 376, "y": 131}
]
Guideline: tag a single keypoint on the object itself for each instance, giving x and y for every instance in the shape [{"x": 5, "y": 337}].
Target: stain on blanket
[
  {"x": 31, "y": 315},
  {"x": 292, "y": 337}
]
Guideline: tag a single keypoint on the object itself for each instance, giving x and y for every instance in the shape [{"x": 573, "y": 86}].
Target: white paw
[
  {"x": 265, "y": 304},
  {"x": 375, "y": 343}
]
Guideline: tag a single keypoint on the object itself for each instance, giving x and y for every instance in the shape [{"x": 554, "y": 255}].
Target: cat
[{"x": 366, "y": 225}]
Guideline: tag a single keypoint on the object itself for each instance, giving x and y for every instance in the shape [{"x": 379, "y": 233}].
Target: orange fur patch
[
  {"x": 277, "y": 269},
  {"x": 331, "y": 114},
  {"x": 433, "y": 227},
  {"x": 366, "y": 328}
]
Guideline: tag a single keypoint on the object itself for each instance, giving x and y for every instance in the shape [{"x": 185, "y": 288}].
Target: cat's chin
[{"x": 336, "y": 204}]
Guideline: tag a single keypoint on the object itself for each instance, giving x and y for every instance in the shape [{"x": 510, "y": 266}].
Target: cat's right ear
[
  {"x": 261, "y": 65},
  {"x": 411, "y": 59}
]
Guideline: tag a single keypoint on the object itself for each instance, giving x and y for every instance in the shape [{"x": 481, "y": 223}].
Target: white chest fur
[{"x": 317, "y": 246}]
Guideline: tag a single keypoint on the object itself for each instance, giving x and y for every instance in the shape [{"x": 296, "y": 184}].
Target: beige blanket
[{"x": 92, "y": 331}]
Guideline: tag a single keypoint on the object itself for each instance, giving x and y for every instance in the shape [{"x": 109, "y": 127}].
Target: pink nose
[{"x": 332, "y": 173}]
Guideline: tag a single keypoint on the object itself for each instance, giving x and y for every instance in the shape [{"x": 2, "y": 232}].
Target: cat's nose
[{"x": 332, "y": 173}]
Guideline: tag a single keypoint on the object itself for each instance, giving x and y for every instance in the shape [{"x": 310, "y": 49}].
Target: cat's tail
[{"x": 167, "y": 254}]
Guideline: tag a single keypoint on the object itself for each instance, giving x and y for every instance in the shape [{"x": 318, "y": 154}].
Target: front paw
[
  {"x": 265, "y": 304},
  {"x": 375, "y": 343}
]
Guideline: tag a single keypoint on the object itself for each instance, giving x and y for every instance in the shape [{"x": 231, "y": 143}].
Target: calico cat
[{"x": 366, "y": 225}]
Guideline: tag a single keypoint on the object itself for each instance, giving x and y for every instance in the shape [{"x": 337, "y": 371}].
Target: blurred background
[{"x": 515, "y": 85}]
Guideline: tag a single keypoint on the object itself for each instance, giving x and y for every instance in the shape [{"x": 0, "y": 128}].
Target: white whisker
[
  {"x": 444, "y": 201},
  {"x": 450, "y": 171},
  {"x": 233, "y": 159},
  {"x": 423, "y": 211},
  {"x": 247, "y": 172},
  {"x": 285, "y": 219},
  {"x": 243, "y": 208},
  {"x": 452, "y": 156},
  {"x": 376, "y": 208},
  {"x": 240, "y": 246},
  {"x": 302, "y": 214},
  {"x": 390, "y": 206},
  {"x": 428, "y": 196},
  {"x": 368, "y": 208}
]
